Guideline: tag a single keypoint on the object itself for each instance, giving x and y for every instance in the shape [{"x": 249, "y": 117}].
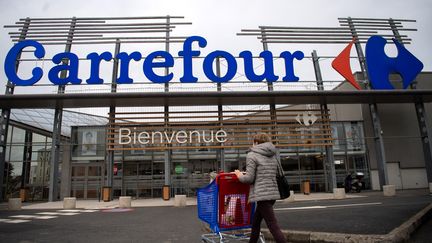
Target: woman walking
[{"x": 261, "y": 169}]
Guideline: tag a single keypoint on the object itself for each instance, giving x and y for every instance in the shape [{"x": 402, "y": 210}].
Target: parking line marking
[
  {"x": 68, "y": 214},
  {"x": 45, "y": 217},
  {"x": 354, "y": 205},
  {"x": 329, "y": 206},
  {"x": 57, "y": 213},
  {"x": 17, "y": 221},
  {"x": 48, "y": 213},
  {"x": 300, "y": 208},
  {"x": 23, "y": 216},
  {"x": 76, "y": 211}
]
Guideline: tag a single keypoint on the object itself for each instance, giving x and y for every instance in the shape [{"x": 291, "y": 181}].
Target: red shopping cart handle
[{"x": 227, "y": 176}]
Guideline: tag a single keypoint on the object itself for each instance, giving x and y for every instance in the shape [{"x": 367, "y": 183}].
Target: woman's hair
[{"x": 261, "y": 138}]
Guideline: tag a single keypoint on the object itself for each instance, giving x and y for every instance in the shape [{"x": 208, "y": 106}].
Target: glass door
[{"x": 86, "y": 181}]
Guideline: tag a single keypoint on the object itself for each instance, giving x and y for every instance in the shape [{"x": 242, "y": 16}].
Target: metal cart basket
[{"x": 224, "y": 206}]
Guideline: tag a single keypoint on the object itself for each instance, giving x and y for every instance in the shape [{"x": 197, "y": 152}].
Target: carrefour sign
[
  {"x": 149, "y": 65},
  {"x": 379, "y": 65}
]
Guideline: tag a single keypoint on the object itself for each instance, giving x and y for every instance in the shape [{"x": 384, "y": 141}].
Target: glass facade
[
  {"x": 28, "y": 149},
  {"x": 349, "y": 148},
  {"x": 141, "y": 173},
  {"x": 29, "y": 170}
]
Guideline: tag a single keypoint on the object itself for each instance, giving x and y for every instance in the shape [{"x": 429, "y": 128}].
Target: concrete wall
[
  {"x": 410, "y": 179},
  {"x": 400, "y": 130},
  {"x": 346, "y": 112},
  {"x": 414, "y": 178},
  {"x": 349, "y": 112},
  {"x": 65, "y": 183},
  {"x": 401, "y": 135}
]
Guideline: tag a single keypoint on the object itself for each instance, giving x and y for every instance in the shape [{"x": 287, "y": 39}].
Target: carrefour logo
[
  {"x": 379, "y": 65},
  {"x": 306, "y": 118},
  {"x": 152, "y": 62}
]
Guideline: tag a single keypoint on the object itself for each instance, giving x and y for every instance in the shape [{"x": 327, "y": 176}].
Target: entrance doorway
[
  {"x": 137, "y": 179},
  {"x": 86, "y": 181}
]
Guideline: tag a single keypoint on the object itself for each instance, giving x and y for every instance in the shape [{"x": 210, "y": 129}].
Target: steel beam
[
  {"x": 376, "y": 123},
  {"x": 5, "y": 115},
  {"x": 424, "y": 129},
  {"x": 56, "y": 137},
  {"x": 221, "y": 151},
  {"x": 329, "y": 164},
  {"x": 110, "y": 154},
  {"x": 168, "y": 152}
]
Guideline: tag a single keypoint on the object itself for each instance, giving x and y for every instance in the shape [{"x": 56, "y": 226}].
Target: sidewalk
[{"x": 158, "y": 202}]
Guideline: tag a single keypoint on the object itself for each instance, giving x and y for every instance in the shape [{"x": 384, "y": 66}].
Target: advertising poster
[{"x": 89, "y": 139}]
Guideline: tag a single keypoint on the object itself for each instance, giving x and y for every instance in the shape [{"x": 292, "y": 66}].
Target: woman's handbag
[{"x": 282, "y": 182}]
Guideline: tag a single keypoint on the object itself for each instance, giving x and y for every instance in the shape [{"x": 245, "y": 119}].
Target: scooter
[{"x": 354, "y": 184}]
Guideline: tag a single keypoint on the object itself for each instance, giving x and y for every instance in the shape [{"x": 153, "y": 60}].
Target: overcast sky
[{"x": 219, "y": 20}]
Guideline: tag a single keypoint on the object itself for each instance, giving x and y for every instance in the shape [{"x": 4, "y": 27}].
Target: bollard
[
  {"x": 291, "y": 197},
  {"x": 389, "y": 190},
  {"x": 69, "y": 203},
  {"x": 180, "y": 201},
  {"x": 125, "y": 202},
  {"x": 14, "y": 204},
  {"x": 339, "y": 193}
]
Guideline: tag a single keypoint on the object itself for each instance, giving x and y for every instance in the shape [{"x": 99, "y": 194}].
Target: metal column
[
  {"x": 376, "y": 123},
  {"x": 269, "y": 85},
  {"x": 324, "y": 115},
  {"x": 58, "y": 115},
  {"x": 5, "y": 115},
  {"x": 168, "y": 153},
  {"x": 221, "y": 151},
  {"x": 421, "y": 116},
  {"x": 27, "y": 157},
  {"x": 110, "y": 155}
]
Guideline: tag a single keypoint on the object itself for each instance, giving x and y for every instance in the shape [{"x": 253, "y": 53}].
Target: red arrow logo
[{"x": 342, "y": 65}]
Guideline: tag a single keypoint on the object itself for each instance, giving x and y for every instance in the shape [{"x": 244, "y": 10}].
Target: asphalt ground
[
  {"x": 368, "y": 215},
  {"x": 373, "y": 214},
  {"x": 155, "y": 224}
]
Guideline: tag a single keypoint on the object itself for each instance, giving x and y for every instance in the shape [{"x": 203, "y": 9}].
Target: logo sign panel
[{"x": 379, "y": 65}]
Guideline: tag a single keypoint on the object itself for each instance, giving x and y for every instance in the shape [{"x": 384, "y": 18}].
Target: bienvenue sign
[{"x": 127, "y": 136}]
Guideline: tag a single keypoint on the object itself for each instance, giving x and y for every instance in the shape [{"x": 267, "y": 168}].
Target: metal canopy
[
  {"x": 144, "y": 99},
  {"x": 365, "y": 28}
]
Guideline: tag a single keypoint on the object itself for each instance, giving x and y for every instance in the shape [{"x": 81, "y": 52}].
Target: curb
[{"x": 399, "y": 234}]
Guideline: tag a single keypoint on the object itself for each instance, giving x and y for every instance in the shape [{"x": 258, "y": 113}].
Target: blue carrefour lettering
[
  {"x": 95, "y": 66},
  {"x": 289, "y": 64},
  {"x": 67, "y": 64},
  {"x": 124, "y": 66},
  {"x": 380, "y": 66},
  {"x": 187, "y": 55},
  {"x": 149, "y": 64},
  {"x": 71, "y": 69},
  {"x": 11, "y": 61},
  {"x": 231, "y": 67},
  {"x": 268, "y": 67}
]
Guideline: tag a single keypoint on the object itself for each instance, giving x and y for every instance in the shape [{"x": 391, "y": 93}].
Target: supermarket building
[{"x": 175, "y": 135}]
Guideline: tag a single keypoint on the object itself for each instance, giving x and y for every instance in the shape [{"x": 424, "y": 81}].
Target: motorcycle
[{"x": 354, "y": 184}]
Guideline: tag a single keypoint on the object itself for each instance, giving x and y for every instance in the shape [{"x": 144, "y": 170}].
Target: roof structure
[{"x": 44, "y": 119}]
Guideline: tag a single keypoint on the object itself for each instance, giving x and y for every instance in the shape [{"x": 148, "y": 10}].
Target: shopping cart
[{"x": 224, "y": 206}]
